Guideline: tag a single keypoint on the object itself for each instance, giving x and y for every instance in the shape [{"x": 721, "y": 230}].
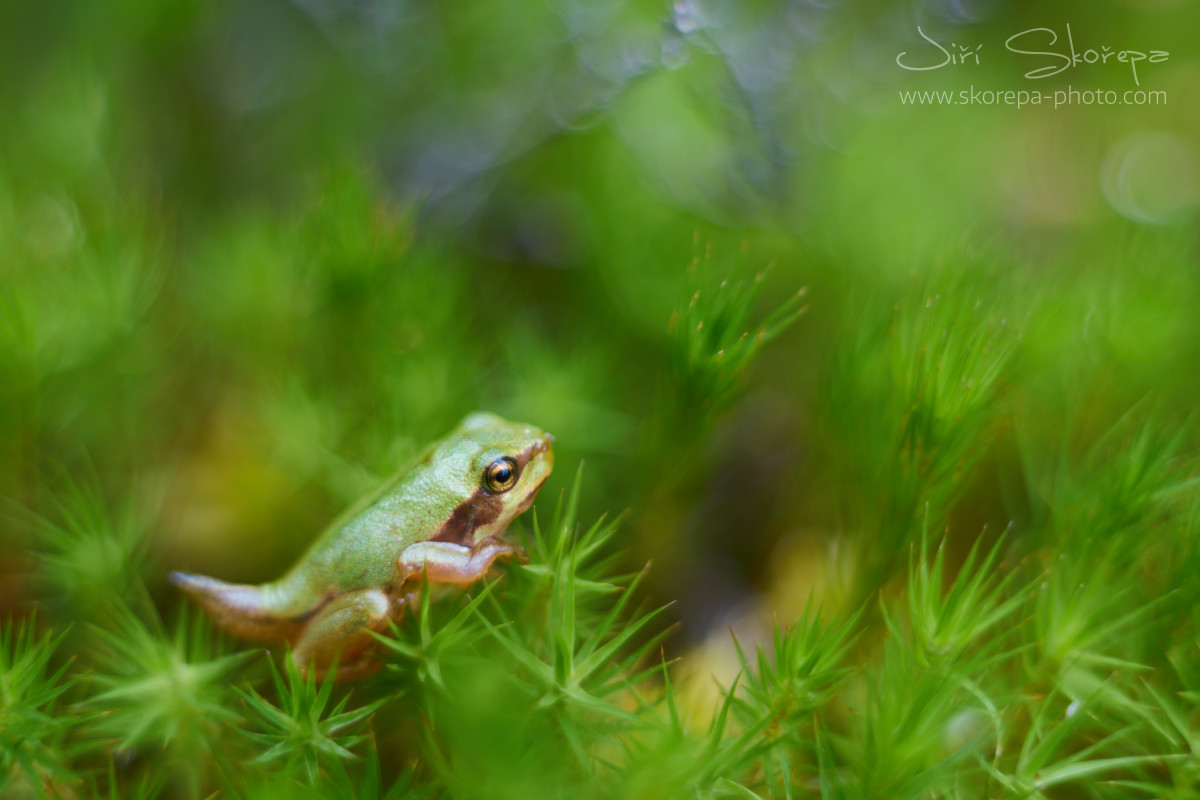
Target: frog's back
[{"x": 360, "y": 549}]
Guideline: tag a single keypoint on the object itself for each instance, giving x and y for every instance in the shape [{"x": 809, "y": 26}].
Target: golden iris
[{"x": 501, "y": 474}]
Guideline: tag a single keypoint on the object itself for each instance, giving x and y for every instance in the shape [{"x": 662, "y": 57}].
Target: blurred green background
[{"x": 254, "y": 255}]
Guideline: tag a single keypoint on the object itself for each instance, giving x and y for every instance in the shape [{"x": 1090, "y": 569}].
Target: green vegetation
[{"x": 877, "y": 468}]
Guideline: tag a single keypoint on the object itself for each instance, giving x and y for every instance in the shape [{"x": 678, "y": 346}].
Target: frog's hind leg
[
  {"x": 341, "y": 631},
  {"x": 243, "y": 610}
]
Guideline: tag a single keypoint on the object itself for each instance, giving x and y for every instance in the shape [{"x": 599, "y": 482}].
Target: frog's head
[{"x": 497, "y": 467}]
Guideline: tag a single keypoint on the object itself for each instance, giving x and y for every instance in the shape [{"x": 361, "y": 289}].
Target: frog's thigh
[
  {"x": 446, "y": 562},
  {"x": 341, "y": 631}
]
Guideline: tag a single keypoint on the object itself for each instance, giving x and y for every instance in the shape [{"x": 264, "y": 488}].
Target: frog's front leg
[
  {"x": 341, "y": 631},
  {"x": 446, "y": 562}
]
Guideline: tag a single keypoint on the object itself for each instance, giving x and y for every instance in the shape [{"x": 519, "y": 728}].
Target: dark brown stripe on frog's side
[
  {"x": 480, "y": 509},
  {"x": 476, "y": 511}
]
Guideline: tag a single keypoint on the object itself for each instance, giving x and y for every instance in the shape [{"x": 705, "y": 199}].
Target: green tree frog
[{"x": 442, "y": 516}]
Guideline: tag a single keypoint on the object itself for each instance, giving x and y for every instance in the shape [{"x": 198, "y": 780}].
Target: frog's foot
[
  {"x": 341, "y": 631},
  {"x": 446, "y": 562}
]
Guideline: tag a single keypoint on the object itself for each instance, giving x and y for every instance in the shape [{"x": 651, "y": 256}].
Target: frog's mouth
[
  {"x": 541, "y": 455},
  {"x": 528, "y": 501}
]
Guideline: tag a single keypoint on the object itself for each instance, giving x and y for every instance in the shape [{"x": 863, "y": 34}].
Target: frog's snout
[{"x": 549, "y": 437}]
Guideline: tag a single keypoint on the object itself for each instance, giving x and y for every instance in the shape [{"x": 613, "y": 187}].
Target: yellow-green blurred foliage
[{"x": 253, "y": 256}]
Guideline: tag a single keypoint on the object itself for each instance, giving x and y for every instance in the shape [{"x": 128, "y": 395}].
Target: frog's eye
[{"x": 500, "y": 475}]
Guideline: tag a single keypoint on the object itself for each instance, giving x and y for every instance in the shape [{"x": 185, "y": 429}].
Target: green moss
[{"x": 893, "y": 411}]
